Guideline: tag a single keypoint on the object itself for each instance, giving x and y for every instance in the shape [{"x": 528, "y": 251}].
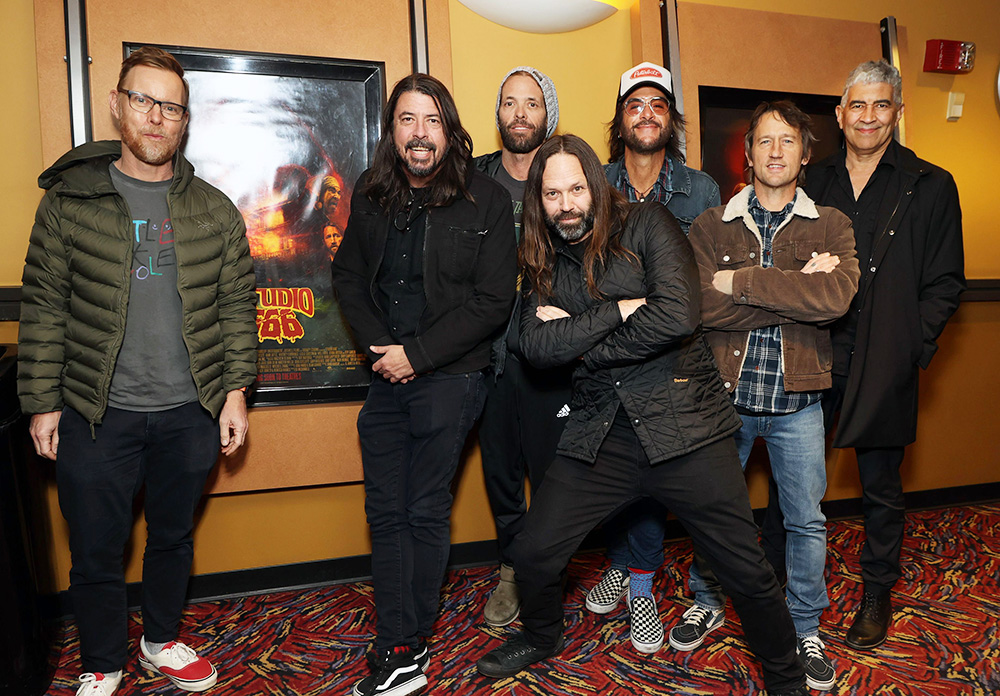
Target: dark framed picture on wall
[
  {"x": 725, "y": 113},
  {"x": 286, "y": 138}
]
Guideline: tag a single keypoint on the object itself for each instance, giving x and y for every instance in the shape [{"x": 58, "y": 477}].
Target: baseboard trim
[{"x": 296, "y": 576}]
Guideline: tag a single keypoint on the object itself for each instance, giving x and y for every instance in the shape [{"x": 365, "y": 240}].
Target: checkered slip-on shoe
[
  {"x": 605, "y": 595},
  {"x": 647, "y": 629}
]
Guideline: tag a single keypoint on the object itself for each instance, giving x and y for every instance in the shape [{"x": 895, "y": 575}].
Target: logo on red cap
[{"x": 645, "y": 72}]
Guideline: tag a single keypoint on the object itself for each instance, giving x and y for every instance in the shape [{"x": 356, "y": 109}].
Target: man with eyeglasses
[
  {"x": 137, "y": 342},
  {"x": 646, "y": 164}
]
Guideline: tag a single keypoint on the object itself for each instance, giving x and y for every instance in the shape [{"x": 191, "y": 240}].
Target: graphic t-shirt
[
  {"x": 153, "y": 370},
  {"x": 516, "y": 190}
]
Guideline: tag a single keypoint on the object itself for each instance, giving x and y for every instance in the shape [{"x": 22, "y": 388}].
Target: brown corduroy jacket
[{"x": 726, "y": 238}]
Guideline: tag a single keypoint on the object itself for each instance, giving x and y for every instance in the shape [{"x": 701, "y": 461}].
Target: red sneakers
[{"x": 180, "y": 664}]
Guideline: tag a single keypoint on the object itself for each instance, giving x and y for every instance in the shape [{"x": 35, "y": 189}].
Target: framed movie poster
[{"x": 286, "y": 138}]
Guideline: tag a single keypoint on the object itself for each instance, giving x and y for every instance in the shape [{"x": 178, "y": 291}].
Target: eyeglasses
[
  {"x": 143, "y": 104},
  {"x": 658, "y": 105}
]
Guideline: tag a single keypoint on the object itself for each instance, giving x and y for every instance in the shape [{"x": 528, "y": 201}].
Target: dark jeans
[
  {"x": 411, "y": 438},
  {"x": 882, "y": 503},
  {"x": 518, "y": 435},
  {"x": 171, "y": 453},
  {"x": 707, "y": 492}
]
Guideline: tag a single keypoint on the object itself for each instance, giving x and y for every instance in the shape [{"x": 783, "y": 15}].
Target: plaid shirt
[
  {"x": 761, "y": 388},
  {"x": 662, "y": 189}
]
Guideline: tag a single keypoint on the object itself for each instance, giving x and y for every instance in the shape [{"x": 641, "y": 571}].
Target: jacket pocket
[
  {"x": 464, "y": 243},
  {"x": 731, "y": 256},
  {"x": 804, "y": 250}
]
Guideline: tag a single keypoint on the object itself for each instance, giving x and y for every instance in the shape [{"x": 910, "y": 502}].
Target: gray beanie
[{"x": 548, "y": 95}]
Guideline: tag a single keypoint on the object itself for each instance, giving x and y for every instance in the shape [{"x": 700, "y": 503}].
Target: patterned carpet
[{"x": 945, "y": 639}]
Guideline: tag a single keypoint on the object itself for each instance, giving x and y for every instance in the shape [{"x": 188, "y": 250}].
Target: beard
[
  {"x": 421, "y": 169},
  {"x": 644, "y": 147},
  {"x": 571, "y": 231},
  {"x": 153, "y": 153},
  {"x": 520, "y": 143}
]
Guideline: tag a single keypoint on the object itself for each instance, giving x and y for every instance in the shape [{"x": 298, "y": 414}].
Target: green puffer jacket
[{"x": 76, "y": 286}]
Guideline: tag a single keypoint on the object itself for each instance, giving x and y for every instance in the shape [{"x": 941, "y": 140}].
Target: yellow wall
[
  {"x": 276, "y": 527},
  {"x": 19, "y": 122}
]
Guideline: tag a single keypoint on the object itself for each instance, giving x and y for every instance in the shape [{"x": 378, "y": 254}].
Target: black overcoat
[{"x": 909, "y": 288}]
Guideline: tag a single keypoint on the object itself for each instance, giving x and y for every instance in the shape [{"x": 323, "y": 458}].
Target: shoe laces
[
  {"x": 697, "y": 615},
  {"x": 90, "y": 684},
  {"x": 813, "y": 647},
  {"x": 179, "y": 654},
  {"x": 870, "y": 605}
]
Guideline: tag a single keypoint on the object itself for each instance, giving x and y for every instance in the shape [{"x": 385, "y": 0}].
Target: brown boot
[
  {"x": 504, "y": 604},
  {"x": 871, "y": 622}
]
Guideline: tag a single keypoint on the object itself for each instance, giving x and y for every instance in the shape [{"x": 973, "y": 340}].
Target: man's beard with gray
[
  {"x": 521, "y": 144},
  {"x": 422, "y": 169},
  {"x": 571, "y": 232}
]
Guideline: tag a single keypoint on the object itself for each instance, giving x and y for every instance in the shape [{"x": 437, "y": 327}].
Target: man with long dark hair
[
  {"x": 646, "y": 164},
  {"x": 425, "y": 275},
  {"x": 525, "y": 408},
  {"x": 614, "y": 289}
]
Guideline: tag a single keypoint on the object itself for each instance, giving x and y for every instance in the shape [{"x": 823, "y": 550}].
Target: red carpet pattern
[{"x": 945, "y": 638}]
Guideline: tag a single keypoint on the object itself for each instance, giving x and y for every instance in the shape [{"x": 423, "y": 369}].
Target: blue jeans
[
  {"x": 411, "y": 438},
  {"x": 797, "y": 450}
]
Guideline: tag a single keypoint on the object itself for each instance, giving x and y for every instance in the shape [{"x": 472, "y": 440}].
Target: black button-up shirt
[
  {"x": 882, "y": 189},
  {"x": 401, "y": 275}
]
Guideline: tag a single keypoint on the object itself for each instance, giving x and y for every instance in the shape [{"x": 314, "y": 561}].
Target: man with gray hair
[
  {"x": 908, "y": 230},
  {"x": 525, "y": 407}
]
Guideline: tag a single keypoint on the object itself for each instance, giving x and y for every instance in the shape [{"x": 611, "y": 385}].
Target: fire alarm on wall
[{"x": 943, "y": 56}]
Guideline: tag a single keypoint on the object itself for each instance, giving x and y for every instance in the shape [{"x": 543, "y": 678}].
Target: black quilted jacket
[{"x": 656, "y": 365}]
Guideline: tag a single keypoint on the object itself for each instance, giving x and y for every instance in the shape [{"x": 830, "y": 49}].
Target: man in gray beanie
[{"x": 525, "y": 408}]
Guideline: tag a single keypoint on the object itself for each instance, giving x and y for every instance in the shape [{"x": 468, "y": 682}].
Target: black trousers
[
  {"x": 412, "y": 437},
  {"x": 518, "y": 435},
  {"x": 170, "y": 453},
  {"x": 707, "y": 492},
  {"x": 882, "y": 504}
]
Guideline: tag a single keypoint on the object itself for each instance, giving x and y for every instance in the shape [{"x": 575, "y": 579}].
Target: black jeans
[
  {"x": 518, "y": 435},
  {"x": 707, "y": 492},
  {"x": 171, "y": 453},
  {"x": 882, "y": 503},
  {"x": 411, "y": 438}
]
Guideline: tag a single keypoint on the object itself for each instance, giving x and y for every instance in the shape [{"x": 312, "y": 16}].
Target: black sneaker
[
  {"x": 697, "y": 623},
  {"x": 421, "y": 654},
  {"x": 819, "y": 669},
  {"x": 801, "y": 691},
  {"x": 513, "y": 656},
  {"x": 397, "y": 674}
]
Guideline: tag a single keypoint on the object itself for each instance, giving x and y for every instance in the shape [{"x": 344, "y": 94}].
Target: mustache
[
  {"x": 420, "y": 142},
  {"x": 568, "y": 215},
  {"x": 646, "y": 122},
  {"x": 521, "y": 122}
]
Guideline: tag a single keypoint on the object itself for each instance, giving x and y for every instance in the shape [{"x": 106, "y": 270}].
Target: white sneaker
[
  {"x": 180, "y": 664},
  {"x": 605, "y": 595},
  {"x": 98, "y": 684}
]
